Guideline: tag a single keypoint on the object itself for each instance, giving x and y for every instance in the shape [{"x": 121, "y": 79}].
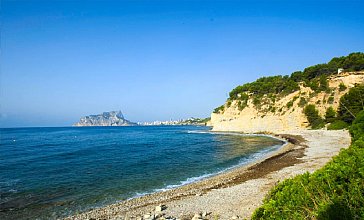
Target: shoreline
[
  {"x": 275, "y": 148},
  {"x": 186, "y": 200}
]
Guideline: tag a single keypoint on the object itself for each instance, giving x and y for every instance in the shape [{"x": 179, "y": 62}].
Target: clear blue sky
[{"x": 157, "y": 60}]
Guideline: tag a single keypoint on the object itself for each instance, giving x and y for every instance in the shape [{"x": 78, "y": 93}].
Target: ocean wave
[
  {"x": 9, "y": 183},
  {"x": 243, "y": 162}
]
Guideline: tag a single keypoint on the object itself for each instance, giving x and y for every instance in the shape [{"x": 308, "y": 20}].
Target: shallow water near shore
[{"x": 54, "y": 172}]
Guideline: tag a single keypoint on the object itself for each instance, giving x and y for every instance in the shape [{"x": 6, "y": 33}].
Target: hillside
[
  {"x": 335, "y": 191},
  {"x": 277, "y": 104}
]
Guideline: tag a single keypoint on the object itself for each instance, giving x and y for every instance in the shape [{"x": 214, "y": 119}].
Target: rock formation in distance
[{"x": 113, "y": 118}]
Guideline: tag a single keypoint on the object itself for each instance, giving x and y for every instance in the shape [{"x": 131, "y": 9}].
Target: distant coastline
[
  {"x": 189, "y": 121},
  {"x": 116, "y": 118}
]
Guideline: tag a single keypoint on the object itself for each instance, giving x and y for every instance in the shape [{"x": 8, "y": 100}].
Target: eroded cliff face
[{"x": 281, "y": 115}]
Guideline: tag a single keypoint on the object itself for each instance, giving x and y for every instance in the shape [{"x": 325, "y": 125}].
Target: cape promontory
[
  {"x": 113, "y": 118},
  {"x": 308, "y": 99}
]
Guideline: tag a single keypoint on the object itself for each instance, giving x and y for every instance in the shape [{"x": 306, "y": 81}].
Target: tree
[
  {"x": 297, "y": 76},
  {"x": 351, "y": 104},
  {"x": 313, "y": 117},
  {"x": 330, "y": 115},
  {"x": 324, "y": 85}
]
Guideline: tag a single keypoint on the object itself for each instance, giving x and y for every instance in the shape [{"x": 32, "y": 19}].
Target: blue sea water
[{"x": 48, "y": 173}]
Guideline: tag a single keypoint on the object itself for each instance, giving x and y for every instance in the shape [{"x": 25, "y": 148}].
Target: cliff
[
  {"x": 285, "y": 112},
  {"x": 113, "y": 118}
]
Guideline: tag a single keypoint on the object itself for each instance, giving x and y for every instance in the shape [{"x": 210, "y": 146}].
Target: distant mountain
[{"x": 113, "y": 118}]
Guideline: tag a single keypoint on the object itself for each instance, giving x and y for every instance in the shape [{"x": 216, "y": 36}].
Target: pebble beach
[{"x": 236, "y": 193}]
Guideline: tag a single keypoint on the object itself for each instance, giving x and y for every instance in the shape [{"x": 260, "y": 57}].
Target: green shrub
[
  {"x": 314, "y": 85},
  {"x": 330, "y": 100},
  {"x": 256, "y": 101},
  {"x": 228, "y": 103},
  {"x": 302, "y": 102},
  {"x": 313, "y": 117},
  {"x": 337, "y": 125},
  {"x": 242, "y": 104},
  {"x": 342, "y": 87},
  {"x": 272, "y": 109},
  {"x": 289, "y": 104},
  {"x": 219, "y": 109},
  {"x": 357, "y": 128}
]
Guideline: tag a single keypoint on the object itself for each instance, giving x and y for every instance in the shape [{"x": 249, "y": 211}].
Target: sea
[{"x": 49, "y": 173}]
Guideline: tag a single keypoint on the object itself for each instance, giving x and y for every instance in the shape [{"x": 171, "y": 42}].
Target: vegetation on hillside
[
  {"x": 219, "y": 109},
  {"x": 351, "y": 104},
  {"x": 330, "y": 115},
  {"x": 313, "y": 117},
  {"x": 335, "y": 191},
  {"x": 266, "y": 90},
  {"x": 266, "y": 85},
  {"x": 313, "y": 76}
]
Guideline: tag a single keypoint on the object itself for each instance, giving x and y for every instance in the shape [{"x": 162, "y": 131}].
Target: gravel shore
[{"x": 236, "y": 193}]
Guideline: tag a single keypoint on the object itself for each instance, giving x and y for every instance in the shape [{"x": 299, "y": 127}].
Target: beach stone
[
  {"x": 146, "y": 216},
  {"x": 197, "y": 216},
  {"x": 160, "y": 208},
  {"x": 235, "y": 217}
]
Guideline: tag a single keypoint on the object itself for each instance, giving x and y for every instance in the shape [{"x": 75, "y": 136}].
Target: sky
[{"x": 157, "y": 60}]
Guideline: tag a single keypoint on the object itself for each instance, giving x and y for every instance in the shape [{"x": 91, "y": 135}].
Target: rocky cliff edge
[{"x": 285, "y": 117}]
